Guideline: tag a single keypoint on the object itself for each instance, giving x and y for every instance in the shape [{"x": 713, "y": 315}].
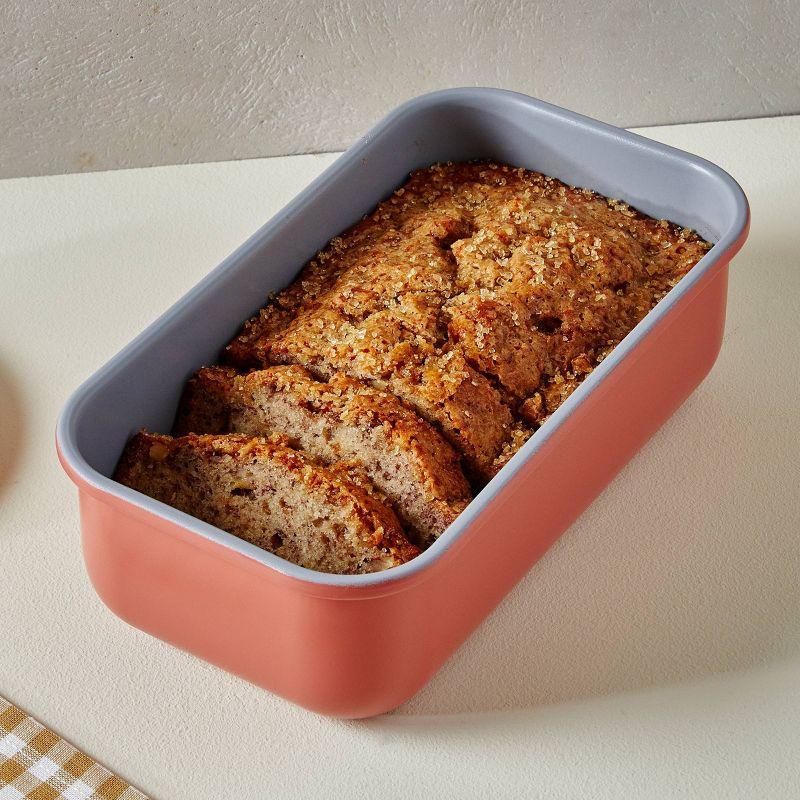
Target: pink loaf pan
[{"x": 357, "y": 646}]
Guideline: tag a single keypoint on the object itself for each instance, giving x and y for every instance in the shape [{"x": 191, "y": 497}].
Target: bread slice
[
  {"x": 371, "y": 306},
  {"x": 439, "y": 384},
  {"x": 205, "y": 405},
  {"x": 407, "y": 460},
  {"x": 270, "y": 495}
]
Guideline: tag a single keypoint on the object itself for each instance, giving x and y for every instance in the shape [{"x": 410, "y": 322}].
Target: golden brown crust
[
  {"x": 476, "y": 292},
  {"x": 271, "y": 495}
]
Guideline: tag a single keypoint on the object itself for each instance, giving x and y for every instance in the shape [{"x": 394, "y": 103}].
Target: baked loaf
[
  {"x": 270, "y": 495},
  {"x": 406, "y": 459},
  {"x": 479, "y": 294},
  {"x": 417, "y": 351}
]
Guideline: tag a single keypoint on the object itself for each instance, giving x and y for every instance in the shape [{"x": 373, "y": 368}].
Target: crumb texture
[
  {"x": 415, "y": 469},
  {"x": 270, "y": 495},
  {"x": 418, "y": 351}
]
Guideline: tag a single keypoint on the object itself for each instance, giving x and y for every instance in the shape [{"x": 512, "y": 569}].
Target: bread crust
[{"x": 270, "y": 495}]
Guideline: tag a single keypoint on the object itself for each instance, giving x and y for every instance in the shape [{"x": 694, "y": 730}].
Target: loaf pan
[{"x": 356, "y": 646}]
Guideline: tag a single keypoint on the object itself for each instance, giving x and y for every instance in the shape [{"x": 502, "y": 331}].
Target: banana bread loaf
[
  {"x": 479, "y": 294},
  {"x": 417, "y": 351}
]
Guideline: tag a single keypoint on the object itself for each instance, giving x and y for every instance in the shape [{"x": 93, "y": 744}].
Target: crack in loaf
[{"x": 423, "y": 346}]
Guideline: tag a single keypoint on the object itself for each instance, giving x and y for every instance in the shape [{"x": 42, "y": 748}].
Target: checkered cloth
[{"x": 37, "y": 764}]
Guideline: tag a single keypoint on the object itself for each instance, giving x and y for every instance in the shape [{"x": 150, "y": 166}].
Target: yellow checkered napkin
[{"x": 37, "y": 764}]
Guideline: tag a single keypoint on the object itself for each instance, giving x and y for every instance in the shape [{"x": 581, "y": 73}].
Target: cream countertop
[{"x": 654, "y": 652}]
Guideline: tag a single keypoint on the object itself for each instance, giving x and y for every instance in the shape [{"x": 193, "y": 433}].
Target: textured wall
[{"x": 101, "y": 86}]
